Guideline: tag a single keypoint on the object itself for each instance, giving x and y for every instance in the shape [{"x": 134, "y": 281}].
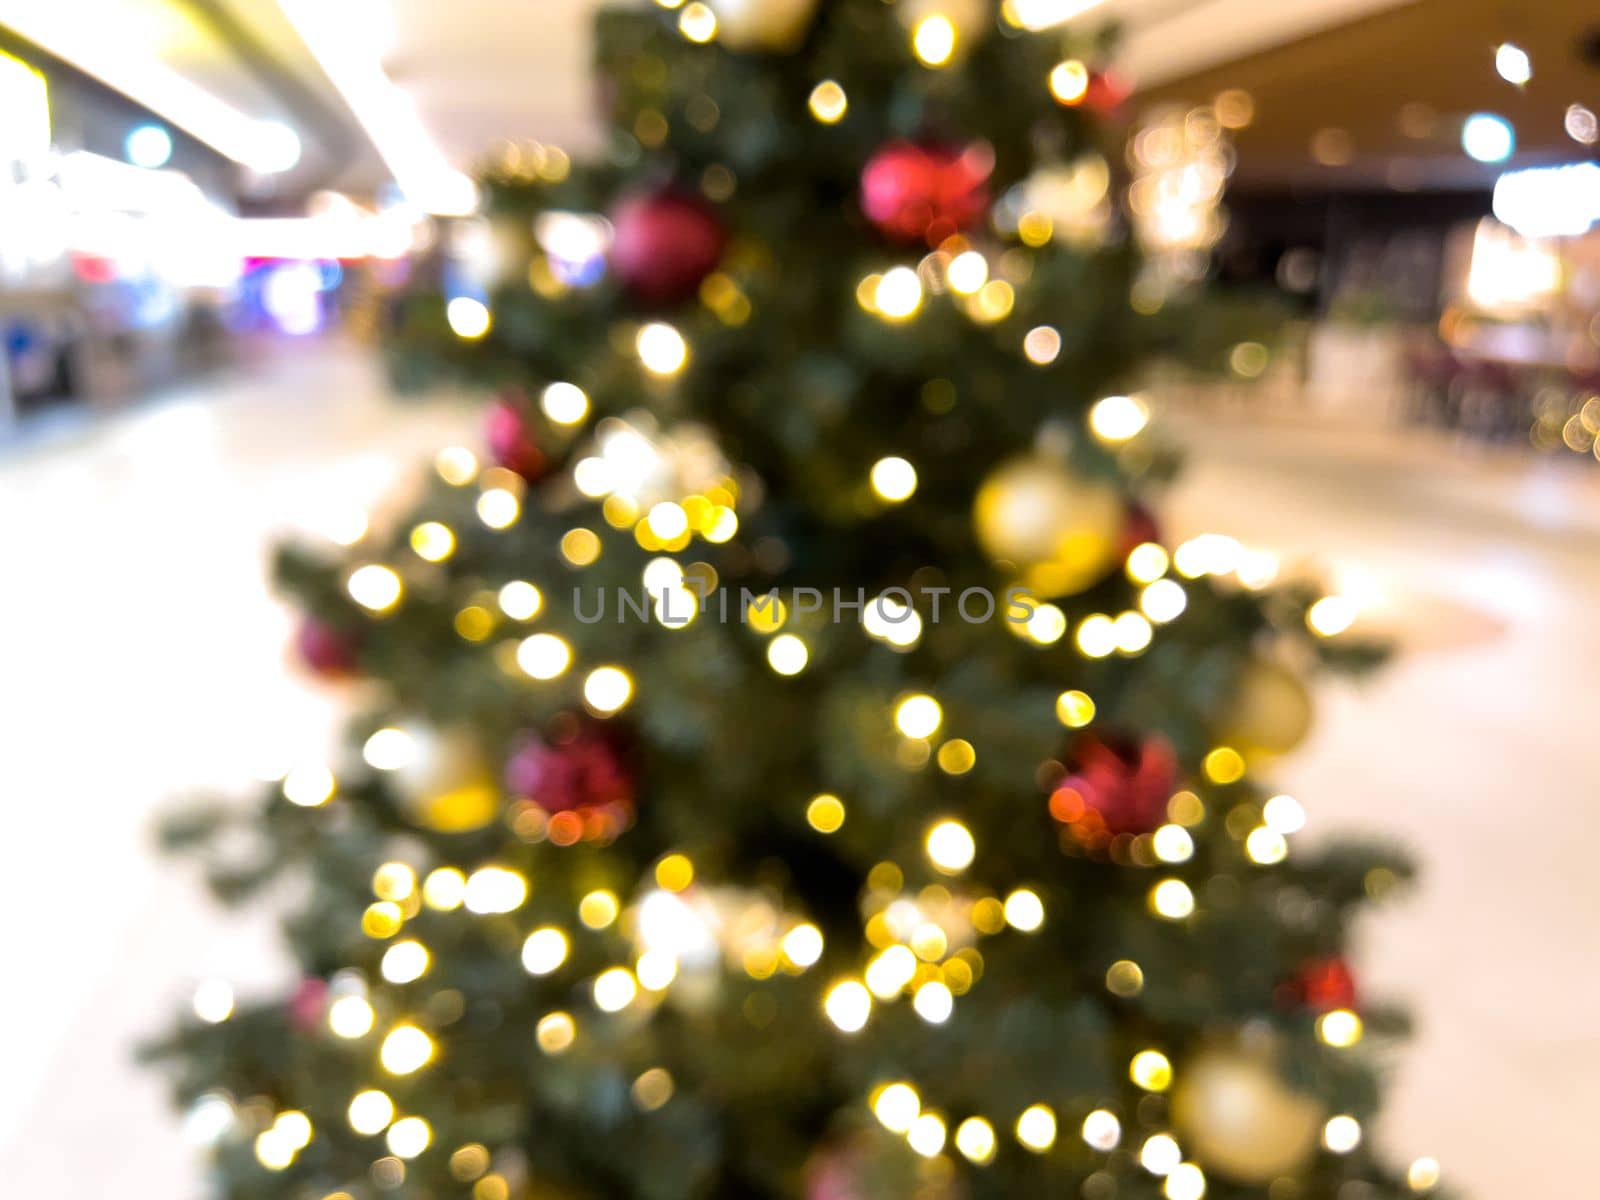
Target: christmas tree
[{"x": 787, "y": 759}]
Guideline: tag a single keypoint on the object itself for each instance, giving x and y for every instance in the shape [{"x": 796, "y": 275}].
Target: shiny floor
[{"x": 141, "y": 656}]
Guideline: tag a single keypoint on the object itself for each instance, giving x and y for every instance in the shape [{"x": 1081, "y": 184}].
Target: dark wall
[{"x": 1378, "y": 254}]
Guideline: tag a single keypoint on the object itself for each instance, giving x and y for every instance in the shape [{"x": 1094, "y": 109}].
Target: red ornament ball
[
  {"x": 1105, "y": 93},
  {"x": 308, "y": 1003},
  {"x": 915, "y": 192},
  {"x": 664, "y": 244},
  {"x": 582, "y": 767},
  {"x": 328, "y": 650},
  {"x": 511, "y": 441},
  {"x": 1325, "y": 984},
  {"x": 1139, "y": 528},
  {"x": 1115, "y": 784}
]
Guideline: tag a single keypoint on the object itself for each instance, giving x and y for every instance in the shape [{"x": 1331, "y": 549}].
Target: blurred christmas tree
[{"x": 947, "y": 871}]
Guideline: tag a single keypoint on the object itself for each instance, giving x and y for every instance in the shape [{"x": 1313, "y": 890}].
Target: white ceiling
[{"x": 484, "y": 70}]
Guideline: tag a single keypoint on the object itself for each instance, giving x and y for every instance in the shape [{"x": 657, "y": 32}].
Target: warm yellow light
[
  {"x": 975, "y": 1139},
  {"x": 674, "y": 872},
  {"x": 213, "y": 1001},
  {"x": 934, "y": 40},
  {"x": 382, "y": 920},
  {"x": 544, "y": 950},
  {"x": 456, "y": 465},
  {"x": 967, "y": 272},
  {"x": 1096, "y": 636},
  {"x": 1423, "y": 1175},
  {"x": 1331, "y": 616},
  {"x": 469, "y": 318},
  {"x": 598, "y": 909},
  {"x": 580, "y": 546},
  {"x": 564, "y": 403},
  {"x": 828, "y": 102},
  {"x": 444, "y": 889},
  {"x": 848, "y": 1005},
  {"x": 1171, "y": 899},
  {"x": 652, "y": 1089},
  {"x": 394, "y": 881},
  {"x": 898, "y": 294},
  {"x": 656, "y": 969},
  {"x": 544, "y": 656},
  {"x": 668, "y": 521},
  {"x": 894, "y": 479},
  {"x": 405, "y": 1050},
  {"x": 614, "y": 989},
  {"x": 918, "y": 716},
  {"x": 405, "y": 962},
  {"x": 1163, "y": 601},
  {"x": 389, "y": 750},
  {"x": 1160, "y": 1155},
  {"x": 1340, "y": 1028},
  {"x": 926, "y": 1135},
  {"x": 1118, "y": 418},
  {"x": 309, "y": 786},
  {"x": 957, "y": 757},
  {"x": 1284, "y": 814},
  {"x": 1151, "y": 1070},
  {"x": 1133, "y": 632},
  {"x": 370, "y": 1112},
  {"x": 1124, "y": 978},
  {"x": 274, "y": 1151},
  {"x": 1074, "y": 709},
  {"x": 766, "y": 613},
  {"x": 662, "y": 349},
  {"x": 1147, "y": 562},
  {"x": 1266, "y": 846},
  {"x": 950, "y": 847},
  {"x": 607, "y": 689},
  {"x": 520, "y": 600},
  {"x": 1172, "y": 844},
  {"x": 934, "y": 1002},
  {"x": 495, "y": 890},
  {"x": 825, "y": 813},
  {"x": 1036, "y": 1128},
  {"x": 555, "y": 1032},
  {"x": 408, "y": 1137},
  {"x": 1042, "y": 345},
  {"x": 1047, "y": 625},
  {"x": 994, "y": 301},
  {"x": 802, "y": 945},
  {"x": 1223, "y": 765},
  {"x": 1341, "y": 1134},
  {"x": 499, "y": 508},
  {"x": 1069, "y": 81},
  {"x": 1024, "y": 910},
  {"x": 1101, "y": 1130},
  {"x": 374, "y": 587},
  {"x": 896, "y": 1106},
  {"x": 889, "y": 972},
  {"x": 1184, "y": 1182},
  {"x": 350, "y": 1017},
  {"x": 698, "y": 23},
  {"x": 787, "y": 654}
]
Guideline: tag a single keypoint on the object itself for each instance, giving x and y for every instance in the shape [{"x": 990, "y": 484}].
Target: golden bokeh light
[{"x": 1036, "y": 1128}]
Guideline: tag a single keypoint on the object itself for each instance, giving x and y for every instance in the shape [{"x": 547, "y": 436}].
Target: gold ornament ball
[
  {"x": 448, "y": 786},
  {"x": 1270, "y": 712},
  {"x": 1235, "y": 1116},
  {"x": 756, "y": 25},
  {"x": 1061, "y": 531}
]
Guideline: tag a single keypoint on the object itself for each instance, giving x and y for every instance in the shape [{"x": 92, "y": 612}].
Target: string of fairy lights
[{"x": 668, "y": 489}]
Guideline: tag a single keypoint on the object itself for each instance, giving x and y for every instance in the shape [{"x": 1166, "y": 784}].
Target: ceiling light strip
[{"x": 348, "y": 53}]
